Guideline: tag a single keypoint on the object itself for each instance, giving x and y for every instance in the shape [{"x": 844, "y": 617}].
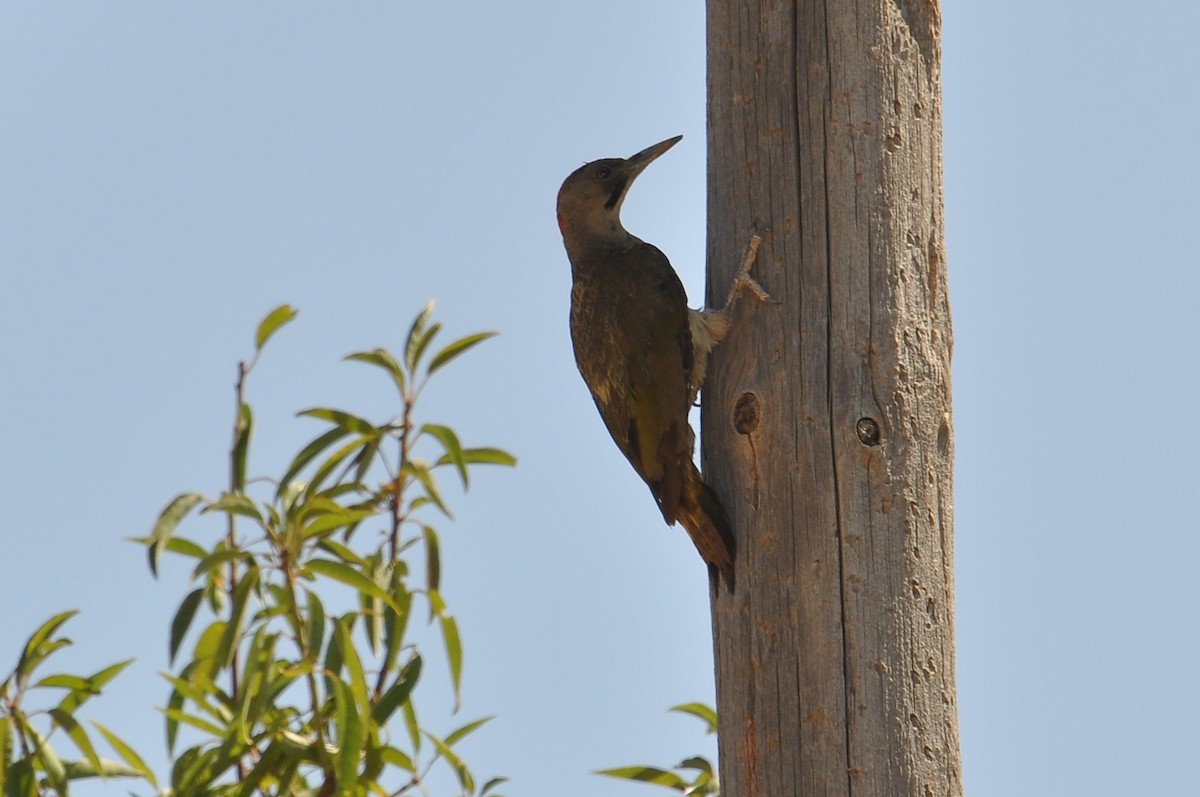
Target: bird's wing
[{"x": 654, "y": 415}]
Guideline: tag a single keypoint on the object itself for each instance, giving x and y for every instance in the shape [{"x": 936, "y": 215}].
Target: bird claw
[{"x": 743, "y": 281}]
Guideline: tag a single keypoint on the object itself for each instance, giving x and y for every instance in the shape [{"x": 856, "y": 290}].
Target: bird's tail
[{"x": 707, "y": 524}]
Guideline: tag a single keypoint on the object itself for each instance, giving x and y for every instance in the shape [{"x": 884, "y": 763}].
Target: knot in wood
[
  {"x": 747, "y": 413},
  {"x": 868, "y": 431}
]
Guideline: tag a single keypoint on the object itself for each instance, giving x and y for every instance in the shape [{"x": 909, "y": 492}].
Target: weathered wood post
[{"x": 826, "y": 423}]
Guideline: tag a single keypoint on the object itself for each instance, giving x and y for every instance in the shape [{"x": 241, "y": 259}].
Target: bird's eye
[{"x": 604, "y": 172}]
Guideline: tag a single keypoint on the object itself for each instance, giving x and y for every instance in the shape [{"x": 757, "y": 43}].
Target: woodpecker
[{"x": 642, "y": 352}]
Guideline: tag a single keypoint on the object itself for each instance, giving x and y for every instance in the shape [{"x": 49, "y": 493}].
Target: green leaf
[
  {"x": 452, "y": 642},
  {"x": 168, "y": 520},
  {"x": 417, "y": 338},
  {"x": 382, "y": 358},
  {"x": 422, "y": 474},
  {"x": 460, "y": 769},
  {"x": 697, "y": 763},
  {"x": 467, "y": 730},
  {"x": 358, "y": 679},
  {"x": 706, "y": 713},
  {"x": 40, "y": 646},
  {"x": 233, "y": 629},
  {"x": 19, "y": 780},
  {"x": 347, "y": 575},
  {"x": 220, "y": 556},
  {"x": 183, "y": 621},
  {"x": 77, "y": 734},
  {"x": 242, "y": 429},
  {"x": 198, "y": 723},
  {"x": 235, "y": 504},
  {"x": 343, "y": 420},
  {"x": 56, "y": 774},
  {"x": 454, "y": 451},
  {"x": 647, "y": 775},
  {"x": 269, "y": 325},
  {"x": 127, "y": 754},
  {"x": 63, "y": 681},
  {"x": 482, "y": 456},
  {"x": 411, "y": 724},
  {"x": 81, "y": 770},
  {"x": 433, "y": 558},
  {"x": 208, "y": 647},
  {"x": 456, "y": 348},
  {"x": 395, "y": 623},
  {"x": 398, "y": 758},
  {"x": 398, "y": 692},
  {"x": 316, "y": 626},
  {"x": 491, "y": 784},
  {"x": 350, "y": 736},
  {"x": 96, "y": 682},
  {"x": 310, "y": 452}
]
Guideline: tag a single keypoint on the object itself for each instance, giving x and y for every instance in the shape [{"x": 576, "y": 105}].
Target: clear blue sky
[{"x": 169, "y": 172}]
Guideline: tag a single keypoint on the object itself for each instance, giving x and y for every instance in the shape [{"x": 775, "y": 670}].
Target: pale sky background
[{"x": 170, "y": 172}]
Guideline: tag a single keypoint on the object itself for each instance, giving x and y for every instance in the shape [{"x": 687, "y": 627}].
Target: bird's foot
[{"x": 743, "y": 282}]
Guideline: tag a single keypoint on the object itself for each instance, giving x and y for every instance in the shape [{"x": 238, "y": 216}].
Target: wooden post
[{"x": 826, "y": 423}]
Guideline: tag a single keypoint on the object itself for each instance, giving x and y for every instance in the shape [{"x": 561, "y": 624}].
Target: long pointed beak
[{"x": 644, "y": 158}]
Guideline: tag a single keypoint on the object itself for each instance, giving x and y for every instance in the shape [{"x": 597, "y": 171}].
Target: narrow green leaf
[
  {"x": 453, "y": 643},
  {"x": 127, "y": 754},
  {"x": 183, "y": 621},
  {"x": 342, "y": 552},
  {"x": 354, "y": 667},
  {"x": 347, "y": 575},
  {"x": 168, "y": 520},
  {"x": 398, "y": 758},
  {"x": 350, "y": 736},
  {"x": 456, "y": 348},
  {"x": 482, "y": 456},
  {"x": 220, "y": 556},
  {"x": 460, "y": 769},
  {"x": 454, "y": 450},
  {"x": 207, "y": 649},
  {"x": 411, "y": 725},
  {"x": 269, "y": 325},
  {"x": 96, "y": 682},
  {"x": 421, "y": 473},
  {"x": 316, "y": 626},
  {"x": 382, "y": 358},
  {"x": 433, "y": 558},
  {"x": 308, "y": 453},
  {"x": 20, "y": 781},
  {"x": 491, "y": 784},
  {"x": 233, "y": 628},
  {"x": 242, "y": 430},
  {"x": 416, "y": 334},
  {"x": 39, "y": 645},
  {"x": 216, "y": 731},
  {"x": 707, "y": 714},
  {"x": 396, "y": 623},
  {"x": 235, "y": 504},
  {"x": 697, "y": 763},
  {"x": 82, "y": 770},
  {"x": 398, "y": 692},
  {"x": 647, "y": 775},
  {"x": 174, "y": 704},
  {"x": 63, "y": 681},
  {"x": 77, "y": 734},
  {"x": 343, "y": 420},
  {"x": 467, "y": 730}
]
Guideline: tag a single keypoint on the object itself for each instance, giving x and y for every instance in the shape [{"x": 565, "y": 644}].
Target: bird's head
[{"x": 589, "y": 202}]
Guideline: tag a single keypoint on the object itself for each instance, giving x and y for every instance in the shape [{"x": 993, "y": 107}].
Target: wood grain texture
[{"x": 826, "y": 423}]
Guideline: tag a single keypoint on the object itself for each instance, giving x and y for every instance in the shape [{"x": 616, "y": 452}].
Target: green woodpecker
[{"x": 641, "y": 351}]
